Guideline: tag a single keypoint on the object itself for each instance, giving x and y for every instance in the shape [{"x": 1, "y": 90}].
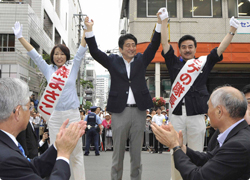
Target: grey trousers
[{"x": 128, "y": 124}]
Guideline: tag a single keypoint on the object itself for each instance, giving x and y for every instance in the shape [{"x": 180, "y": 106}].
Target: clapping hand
[{"x": 18, "y": 28}]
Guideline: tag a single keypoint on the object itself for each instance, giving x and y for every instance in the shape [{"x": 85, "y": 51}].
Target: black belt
[
  {"x": 131, "y": 105},
  {"x": 183, "y": 104}
]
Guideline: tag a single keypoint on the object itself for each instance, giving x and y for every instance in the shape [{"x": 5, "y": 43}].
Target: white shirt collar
[
  {"x": 11, "y": 136},
  {"x": 126, "y": 62},
  {"x": 222, "y": 137}
]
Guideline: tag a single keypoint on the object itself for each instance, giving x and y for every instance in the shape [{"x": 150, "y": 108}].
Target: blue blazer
[
  {"x": 120, "y": 83},
  {"x": 13, "y": 165}
]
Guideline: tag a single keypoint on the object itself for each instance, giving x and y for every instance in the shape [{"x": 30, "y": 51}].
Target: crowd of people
[{"x": 29, "y": 150}]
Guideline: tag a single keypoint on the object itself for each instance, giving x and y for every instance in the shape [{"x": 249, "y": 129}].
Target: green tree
[
  {"x": 86, "y": 84},
  {"x": 87, "y": 105}
]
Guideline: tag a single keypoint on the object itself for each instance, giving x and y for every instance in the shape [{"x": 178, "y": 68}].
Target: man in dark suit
[
  {"x": 230, "y": 159},
  {"x": 128, "y": 97},
  {"x": 29, "y": 140},
  {"x": 14, "y": 117}
]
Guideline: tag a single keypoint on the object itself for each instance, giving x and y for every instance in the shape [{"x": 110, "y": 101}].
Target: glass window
[
  {"x": 202, "y": 8},
  {"x": 243, "y": 8},
  {"x": 154, "y": 5},
  {"x": 7, "y": 42},
  {"x": 217, "y": 8},
  {"x": 149, "y": 8},
  {"x": 238, "y": 8}
]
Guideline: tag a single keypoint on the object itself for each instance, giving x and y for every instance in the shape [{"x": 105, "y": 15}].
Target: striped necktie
[{"x": 22, "y": 150}]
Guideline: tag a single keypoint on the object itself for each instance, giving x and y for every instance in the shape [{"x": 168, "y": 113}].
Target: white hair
[
  {"x": 235, "y": 106},
  {"x": 13, "y": 92}
]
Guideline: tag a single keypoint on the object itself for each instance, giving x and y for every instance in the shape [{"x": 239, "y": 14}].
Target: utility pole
[{"x": 80, "y": 26}]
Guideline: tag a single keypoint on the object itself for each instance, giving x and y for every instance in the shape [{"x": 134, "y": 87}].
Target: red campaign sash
[
  {"x": 184, "y": 81},
  {"x": 54, "y": 90}
]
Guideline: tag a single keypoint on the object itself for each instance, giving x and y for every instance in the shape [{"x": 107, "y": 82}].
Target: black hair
[
  {"x": 123, "y": 38},
  {"x": 246, "y": 89},
  {"x": 157, "y": 108},
  {"x": 63, "y": 48},
  {"x": 187, "y": 37}
]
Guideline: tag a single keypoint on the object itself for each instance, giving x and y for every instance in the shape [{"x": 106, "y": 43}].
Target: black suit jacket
[
  {"x": 13, "y": 165},
  {"x": 120, "y": 83},
  {"x": 197, "y": 96},
  {"x": 231, "y": 161},
  {"x": 29, "y": 141}
]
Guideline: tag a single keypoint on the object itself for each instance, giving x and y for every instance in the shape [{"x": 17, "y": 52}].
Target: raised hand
[
  {"x": 234, "y": 22},
  {"x": 18, "y": 28},
  {"x": 163, "y": 13},
  {"x": 88, "y": 23}
]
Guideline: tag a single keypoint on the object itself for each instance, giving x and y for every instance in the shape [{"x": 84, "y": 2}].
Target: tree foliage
[{"x": 87, "y": 105}]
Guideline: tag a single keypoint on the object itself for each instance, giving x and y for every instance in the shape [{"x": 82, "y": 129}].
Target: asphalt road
[{"x": 154, "y": 166}]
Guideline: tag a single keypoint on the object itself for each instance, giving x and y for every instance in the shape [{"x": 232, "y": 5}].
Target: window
[
  {"x": 202, "y": 8},
  {"x": 149, "y": 8},
  {"x": 7, "y": 42},
  {"x": 238, "y": 8}
]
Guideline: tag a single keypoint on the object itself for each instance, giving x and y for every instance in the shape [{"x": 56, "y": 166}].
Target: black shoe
[
  {"x": 160, "y": 152},
  {"x": 97, "y": 154},
  {"x": 155, "y": 152},
  {"x": 86, "y": 154}
]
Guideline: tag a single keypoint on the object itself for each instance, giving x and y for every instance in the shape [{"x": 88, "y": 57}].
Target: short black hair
[
  {"x": 63, "y": 48},
  {"x": 246, "y": 89},
  {"x": 187, "y": 37},
  {"x": 157, "y": 108},
  {"x": 123, "y": 38}
]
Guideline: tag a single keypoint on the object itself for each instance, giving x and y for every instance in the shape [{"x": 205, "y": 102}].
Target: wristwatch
[
  {"x": 231, "y": 33},
  {"x": 176, "y": 148}
]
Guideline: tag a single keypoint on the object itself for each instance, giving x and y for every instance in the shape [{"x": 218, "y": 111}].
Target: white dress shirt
[{"x": 158, "y": 119}]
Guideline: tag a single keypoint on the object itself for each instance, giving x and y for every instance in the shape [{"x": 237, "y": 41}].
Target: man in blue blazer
[
  {"x": 128, "y": 97},
  {"x": 230, "y": 159},
  {"x": 14, "y": 117}
]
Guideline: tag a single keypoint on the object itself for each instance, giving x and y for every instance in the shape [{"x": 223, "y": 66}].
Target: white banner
[
  {"x": 184, "y": 81},
  {"x": 54, "y": 89},
  {"x": 244, "y": 27}
]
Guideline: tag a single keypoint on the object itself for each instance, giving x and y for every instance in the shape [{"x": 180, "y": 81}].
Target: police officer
[{"x": 93, "y": 122}]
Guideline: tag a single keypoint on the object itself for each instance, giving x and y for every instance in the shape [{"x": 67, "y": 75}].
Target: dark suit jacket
[
  {"x": 13, "y": 165},
  {"x": 197, "y": 96},
  {"x": 231, "y": 161},
  {"x": 120, "y": 83},
  {"x": 29, "y": 141}
]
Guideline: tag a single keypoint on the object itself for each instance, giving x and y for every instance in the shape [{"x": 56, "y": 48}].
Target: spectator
[
  {"x": 163, "y": 108},
  {"x": 230, "y": 159},
  {"x": 93, "y": 129},
  {"x": 44, "y": 142},
  {"x": 35, "y": 101},
  {"x": 14, "y": 117},
  {"x": 108, "y": 131},
  {"x": 158, "y": 119},
  {"x": 153, "y": 113},
  {"x": 246, "y": 91}
]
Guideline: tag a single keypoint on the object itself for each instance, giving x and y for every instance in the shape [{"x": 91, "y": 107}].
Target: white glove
[
  {"x": 234, "y": 22},
  {"x": 164, "y": 13},
  {"x": 18, "y": 30}
]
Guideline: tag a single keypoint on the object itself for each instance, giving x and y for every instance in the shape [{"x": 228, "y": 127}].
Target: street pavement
[{"x": 154, "y": 166}]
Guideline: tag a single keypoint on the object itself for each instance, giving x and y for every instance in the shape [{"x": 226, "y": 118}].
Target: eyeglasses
[{"x": 25, "y": 108}]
